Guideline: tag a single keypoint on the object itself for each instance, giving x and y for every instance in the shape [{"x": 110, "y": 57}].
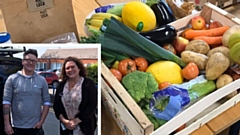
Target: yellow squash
[
  {"x": 166, "y": 71},
  {"x": 138, "y": 16}
]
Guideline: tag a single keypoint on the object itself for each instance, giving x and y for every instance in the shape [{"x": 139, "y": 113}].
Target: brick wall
[{"x": 49, "y": 61}]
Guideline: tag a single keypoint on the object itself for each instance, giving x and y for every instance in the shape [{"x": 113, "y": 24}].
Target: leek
[
  {"x": 117, "y": 33},
  {"x": 118, "y": 44}
]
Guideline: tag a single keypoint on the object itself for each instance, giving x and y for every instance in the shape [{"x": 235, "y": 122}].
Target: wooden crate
[{"x": 131, "y": 119}]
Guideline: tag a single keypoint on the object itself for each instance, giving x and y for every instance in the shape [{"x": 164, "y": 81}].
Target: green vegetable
[
  {"x": 118, "y": 44},
  {"x": 197, "y": 91},
  {"x": 116, "y": 10},
  {"x": 116, "y": 32},
  {"x": 161, "y": 104},
  {"x": 201, "y": 89},
  {"x": 156, "y": 122},
  {"x": 109, "y": 57},
  {"x": 92, "y": 72},
  {"x": 151, "y": 2},
  {"x": 94, "y": 38},
  {"x": 140, "y": 85}
]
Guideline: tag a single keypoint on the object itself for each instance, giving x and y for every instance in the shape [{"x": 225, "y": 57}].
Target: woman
[{"x": 75, "y": 100}]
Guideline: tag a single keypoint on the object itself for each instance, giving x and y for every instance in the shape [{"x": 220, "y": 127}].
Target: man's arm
[
  {"x": 6, "y": 111},
  {"x": 7, "y": 98},
  {"x": 46, "y": 104},
  {"x": 7, "y": 125},
  {"x": 44, "y": 113}
]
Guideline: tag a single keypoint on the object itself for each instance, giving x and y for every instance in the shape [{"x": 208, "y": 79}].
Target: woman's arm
[{"x": 91, "y": 96}]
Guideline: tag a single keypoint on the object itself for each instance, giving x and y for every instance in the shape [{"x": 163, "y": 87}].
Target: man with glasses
[{"x": 25, "y": 92}]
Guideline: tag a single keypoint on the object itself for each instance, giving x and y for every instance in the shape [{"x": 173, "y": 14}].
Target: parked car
[
  {"x": 51, "y": 78},
  {"x": 56, "y": 71},
  {"x": 39, "y": 69},
  {"x": 8, "y": 66}
]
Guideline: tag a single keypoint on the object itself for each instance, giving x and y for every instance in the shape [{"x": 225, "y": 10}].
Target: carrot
[
  {"x": 190, "y": 34},
  {"x": 211, "y": 41}
]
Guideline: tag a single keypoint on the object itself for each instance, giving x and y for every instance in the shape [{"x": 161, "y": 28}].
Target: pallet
[{"x": 131, "y": 119}]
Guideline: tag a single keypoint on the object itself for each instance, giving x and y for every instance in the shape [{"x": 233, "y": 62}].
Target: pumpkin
[
  {"x": 138, "y": 16},
  {"x": 166, "y": 71}
]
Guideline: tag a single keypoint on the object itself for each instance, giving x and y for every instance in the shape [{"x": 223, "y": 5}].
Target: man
[{"x": 25, "y": 92}]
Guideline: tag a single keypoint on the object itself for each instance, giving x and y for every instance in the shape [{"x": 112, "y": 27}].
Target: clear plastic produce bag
[
  {"x": 169, "y": 102},
  {"x": 63, "y": 38}
]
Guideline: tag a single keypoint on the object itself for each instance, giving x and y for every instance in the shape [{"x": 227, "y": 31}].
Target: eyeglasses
[{"x": 29, "y": 60}]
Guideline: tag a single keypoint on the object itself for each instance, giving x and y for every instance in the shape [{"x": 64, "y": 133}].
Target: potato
[
  {"x": 223, "y": 80},
  {"x": 198, "y": 46},
  {"x": 199, "y": 59},
  {"x": 224, "y": 50},
  {"x": 216, "y": 65}
]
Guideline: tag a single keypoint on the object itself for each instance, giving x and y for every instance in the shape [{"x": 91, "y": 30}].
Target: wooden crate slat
[
  {"x": 116, "y": 104},
  {"x": 197, "y": 108},
  {"x": 210, "y": 116},
  {"x": 128, "y": 100}
]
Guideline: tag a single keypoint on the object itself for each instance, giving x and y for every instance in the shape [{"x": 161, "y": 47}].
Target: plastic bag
[
  {"x": 63, "y": 38},
  {"x": 168, "y": 102}
]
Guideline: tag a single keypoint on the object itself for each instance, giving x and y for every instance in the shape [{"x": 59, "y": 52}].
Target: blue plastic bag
[{"x": 168, "y": 102}]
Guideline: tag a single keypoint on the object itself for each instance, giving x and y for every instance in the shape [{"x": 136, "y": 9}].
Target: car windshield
[{"x": 9, "y": 67}]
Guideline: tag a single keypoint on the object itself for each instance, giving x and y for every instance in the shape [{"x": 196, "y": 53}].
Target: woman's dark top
[{"x": 87, "y": 108}]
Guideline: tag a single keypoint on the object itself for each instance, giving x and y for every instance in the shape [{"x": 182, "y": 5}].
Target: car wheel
[{"x": 55, "y": 84}]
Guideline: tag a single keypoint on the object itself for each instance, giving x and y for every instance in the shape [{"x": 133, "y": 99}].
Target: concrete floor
[{"x": 51, "y": 125}]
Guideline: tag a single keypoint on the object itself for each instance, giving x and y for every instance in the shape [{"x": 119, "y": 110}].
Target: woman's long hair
[{"x": 79, "y": 64}]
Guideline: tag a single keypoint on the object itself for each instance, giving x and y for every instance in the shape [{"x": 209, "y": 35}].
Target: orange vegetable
[
  {"x": 126, "y": 66},
  {"x": 190, "y": 34},
  {"x": 211, "y": 41},
  {"x": 180, "y": 128},
  {"x": 116, "y": 73},
  {"x": 190, "y": 71},
  {"x": 141, "y": 63},
  {"x": 164, "y": 85}
]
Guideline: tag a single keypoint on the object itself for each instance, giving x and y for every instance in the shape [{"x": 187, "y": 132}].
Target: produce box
[{"x": 132, "y": 120}]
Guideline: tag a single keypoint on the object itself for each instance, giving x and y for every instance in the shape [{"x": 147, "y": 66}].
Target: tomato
[
  {"x": 141, "y": 63},
  {"x": 190, "y": 71},
  {"x": 116, "y": 73},
  {"x": 126, "y": 66},
  {"x": 164, "y": 85},
  {"x": 170, "y": 48}
]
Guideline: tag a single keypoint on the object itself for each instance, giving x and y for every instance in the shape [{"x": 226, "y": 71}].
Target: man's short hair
[{"x": 30, "y": 51}]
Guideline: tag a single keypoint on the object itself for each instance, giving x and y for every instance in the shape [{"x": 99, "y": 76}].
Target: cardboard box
[{"x": 33, "y": 21}]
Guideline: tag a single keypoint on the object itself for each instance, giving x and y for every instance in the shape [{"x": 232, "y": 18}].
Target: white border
[{"x": 68, "y": 46}]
